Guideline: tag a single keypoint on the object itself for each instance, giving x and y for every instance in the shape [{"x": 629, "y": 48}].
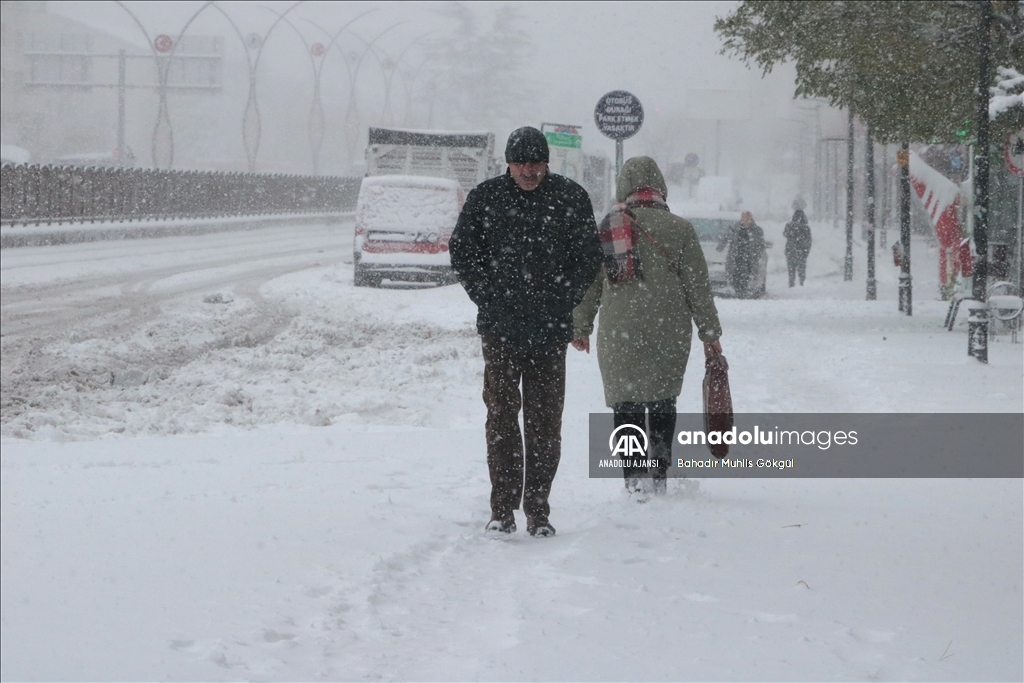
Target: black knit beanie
[{"x": 526, "y": 145}]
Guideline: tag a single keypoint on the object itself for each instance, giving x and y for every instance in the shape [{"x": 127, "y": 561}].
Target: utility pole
[
  {"x": 869, "y": 206},
  {"x": 906, "y": 290},
  {"x": 848, "y": 261},
  {"x": 121, "y": 77},
  {"x": 977, "y": 323},
  {"x": 718, "y": 145}
]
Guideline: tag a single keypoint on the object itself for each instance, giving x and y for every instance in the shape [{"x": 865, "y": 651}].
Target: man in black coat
[{"x": 525, "y": 249}]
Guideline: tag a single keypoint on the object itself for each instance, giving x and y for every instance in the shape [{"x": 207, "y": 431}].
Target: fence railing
[{"x": 75, "y": 194}]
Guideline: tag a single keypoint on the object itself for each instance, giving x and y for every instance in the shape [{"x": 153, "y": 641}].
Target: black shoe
[
  {"x": 540, "y": 527},
  {"x": 503, "y": 525}
]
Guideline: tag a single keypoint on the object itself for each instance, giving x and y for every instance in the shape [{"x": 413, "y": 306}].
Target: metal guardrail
[{"x": 74, "y": 194}]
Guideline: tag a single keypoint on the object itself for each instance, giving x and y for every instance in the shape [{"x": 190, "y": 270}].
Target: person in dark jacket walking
[
  {"x": 746, "y": 247},
  {"x": 525, "y": 249},
  {"x": 798, "y": 243}
]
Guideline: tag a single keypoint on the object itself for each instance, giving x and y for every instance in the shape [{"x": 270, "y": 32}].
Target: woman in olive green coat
[{"x": 643, "y": 339}]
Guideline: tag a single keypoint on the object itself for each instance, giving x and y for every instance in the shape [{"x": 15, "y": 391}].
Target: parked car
[
  {"x": 403, "y": 224},
  {"x": 711, "y": 226}
]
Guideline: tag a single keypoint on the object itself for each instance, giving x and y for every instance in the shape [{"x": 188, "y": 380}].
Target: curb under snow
[{"x": 71, "y": 233}]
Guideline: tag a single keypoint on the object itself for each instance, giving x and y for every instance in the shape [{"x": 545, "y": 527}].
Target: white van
[{"x": 403, "y": 224}]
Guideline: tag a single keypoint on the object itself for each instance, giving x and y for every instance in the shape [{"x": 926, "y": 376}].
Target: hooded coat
[{"x": 645, "y": 330}]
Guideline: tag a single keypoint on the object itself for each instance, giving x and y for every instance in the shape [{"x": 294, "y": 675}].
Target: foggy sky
[{"x": 658, "y": 51}]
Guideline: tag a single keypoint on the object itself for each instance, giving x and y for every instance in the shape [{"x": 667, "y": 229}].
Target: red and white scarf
[{"x": 618, "y": 233}]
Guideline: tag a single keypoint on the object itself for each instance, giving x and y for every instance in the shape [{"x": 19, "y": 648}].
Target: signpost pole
[
  {"x": 618, "y": 158},
  {"x": 977, "y": 322}
]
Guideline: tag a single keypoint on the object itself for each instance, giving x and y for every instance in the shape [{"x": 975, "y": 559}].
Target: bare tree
[{"x": 482, "y": 82}]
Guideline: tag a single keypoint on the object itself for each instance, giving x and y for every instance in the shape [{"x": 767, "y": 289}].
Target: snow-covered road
[{"x": 221, "y": 461}]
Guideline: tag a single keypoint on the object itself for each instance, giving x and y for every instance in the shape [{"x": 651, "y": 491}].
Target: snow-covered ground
[{"x": 221, "y": 461}]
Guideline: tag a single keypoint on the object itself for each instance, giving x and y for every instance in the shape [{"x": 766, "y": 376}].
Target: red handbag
[{"x": 717, "y": 402}]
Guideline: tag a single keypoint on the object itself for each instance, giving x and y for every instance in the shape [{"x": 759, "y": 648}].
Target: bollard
[
  {"x": 905, "y": 294},
  {"x": 977, "y": 330}
]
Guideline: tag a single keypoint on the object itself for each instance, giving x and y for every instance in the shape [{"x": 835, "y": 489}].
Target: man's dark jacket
[{"x": 526, "y": 258}]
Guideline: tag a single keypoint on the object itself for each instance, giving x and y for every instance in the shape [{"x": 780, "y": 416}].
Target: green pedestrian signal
[{"x": 961, "y": 131}]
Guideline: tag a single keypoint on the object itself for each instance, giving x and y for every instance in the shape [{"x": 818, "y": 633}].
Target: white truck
[
  {"x": 416, "y": 183},
  {"x": 466, "y": 157}
]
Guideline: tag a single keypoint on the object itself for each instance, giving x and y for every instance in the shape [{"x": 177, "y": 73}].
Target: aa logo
[{"x": 628, "y": 441}]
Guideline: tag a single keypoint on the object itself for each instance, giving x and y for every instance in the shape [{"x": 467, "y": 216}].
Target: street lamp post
[
  {"x": 977, "y": 323},
  {"x": 163, "y": 123},
  {"x": 251, "y": 119},
  {"x": 432, "y": 89},
  {"x": 389, "y": 67},
  {"x": 352, "y": 113},
  {"x": 122, "y": 69},
  {"x": 163, "y": 48},
  {"x": 906, "y": 292},
  {"x": 317, "y": 53},
  {"x": 409, "y": 83},
  {"x": 251, "y": 114},
  {"x": 315, "y": 122}
]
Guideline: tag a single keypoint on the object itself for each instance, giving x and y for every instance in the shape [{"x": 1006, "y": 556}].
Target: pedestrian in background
[
  {"x": 525, "y": 249},
  {"x": 745, "y": 241},
  {"x": 798, "y": 243},
  {"x": 652, "y": 289}
]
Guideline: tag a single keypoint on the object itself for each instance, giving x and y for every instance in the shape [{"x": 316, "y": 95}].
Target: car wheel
[{"x": 364, "y": 278}]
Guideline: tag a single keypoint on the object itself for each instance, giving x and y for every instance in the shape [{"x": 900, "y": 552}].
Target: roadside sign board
[
  {"x": 691, "y": 160},
  {"x": 565, "y": 143},
  {"x": 163, "y": 43},
  {"x": 619, "y": 115},
  {"x": 1014, "y": 153}
]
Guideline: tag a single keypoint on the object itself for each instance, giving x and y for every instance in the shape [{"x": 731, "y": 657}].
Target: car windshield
[{"x": 709, "y": 228}]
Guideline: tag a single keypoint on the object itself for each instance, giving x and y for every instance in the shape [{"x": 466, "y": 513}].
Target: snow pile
[
  {"x": 310, "y": 357},
  {"x": 1003, "y": 98},
  {"x": 408, "y": 203},
  {"x": 171, "y": 508}
]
